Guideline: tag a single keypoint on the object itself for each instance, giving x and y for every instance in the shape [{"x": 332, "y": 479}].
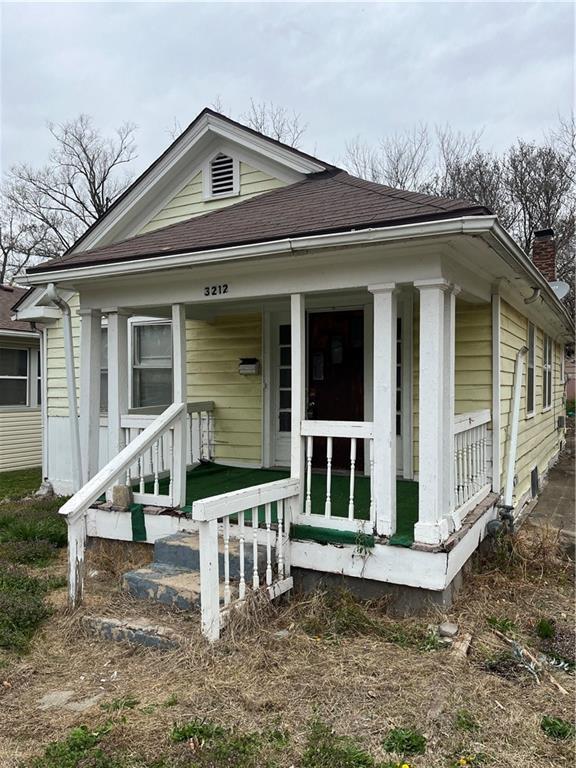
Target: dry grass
[{"x": 361, "y": 679}]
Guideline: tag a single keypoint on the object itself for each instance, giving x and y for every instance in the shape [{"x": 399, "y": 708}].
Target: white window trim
[
  {"x": 134, "y": 323},
  {"x": 530, "y": 413},
  {"x": 547, "y": 367},
  {"x": 31, "y": 378},
  {"x": 207, "y": 178}
]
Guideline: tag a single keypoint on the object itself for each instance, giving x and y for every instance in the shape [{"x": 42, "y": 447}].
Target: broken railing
[
  {"x": 75, "y": 509},
  {"x": 244, "y": 546}
]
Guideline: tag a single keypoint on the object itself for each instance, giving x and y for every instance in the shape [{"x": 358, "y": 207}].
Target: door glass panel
[{"x": 284, "y": 379}]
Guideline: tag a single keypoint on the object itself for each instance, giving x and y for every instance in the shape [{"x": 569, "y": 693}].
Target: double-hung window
[
  {"x": 547, "y": 373},
  {"x": 20, "y": 377},
  {"x": 531, "y": 370},
  {"x": 151, "y": 364}
]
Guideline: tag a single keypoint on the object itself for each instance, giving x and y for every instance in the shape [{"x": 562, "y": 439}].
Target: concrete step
[
  {"x": 138, "y": 631},
  {"x": 166, "y": 584},
  {"x": 182, "y": 550}
]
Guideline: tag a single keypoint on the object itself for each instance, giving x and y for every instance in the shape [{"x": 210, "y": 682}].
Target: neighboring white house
[
  {"x": 395, "y": 358},
  {"x": 20, "y": 388}
]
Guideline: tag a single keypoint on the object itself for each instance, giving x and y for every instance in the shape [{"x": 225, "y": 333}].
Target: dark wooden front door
[{"x": 336, "y": 378}]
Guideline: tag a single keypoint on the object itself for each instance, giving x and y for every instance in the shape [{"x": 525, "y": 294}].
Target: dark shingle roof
[
  {"x": 329, "y": 201},
  {"x": 9, "y": 295}
]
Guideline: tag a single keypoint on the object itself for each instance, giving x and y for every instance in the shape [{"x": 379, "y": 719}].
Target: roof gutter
[{"x": 256, "y": 250}]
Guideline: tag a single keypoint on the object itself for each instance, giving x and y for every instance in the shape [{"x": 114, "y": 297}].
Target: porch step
[
  {"x": 182, "y": 550},
  {"x": 137, "y": 631},
  {"x": 166, "y": 584}
]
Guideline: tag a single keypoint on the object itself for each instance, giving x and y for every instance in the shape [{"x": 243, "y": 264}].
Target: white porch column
[
  {"x": 435, "y": 433},
  {"x": 117, "y": 379},
  {"x": 180, "y": 396},
  {"x": 449, "y": 402},
  {"x": 90, "y": 346},
  {"x": 384, "y": 408},
  {"x": 298, "y": 404}
]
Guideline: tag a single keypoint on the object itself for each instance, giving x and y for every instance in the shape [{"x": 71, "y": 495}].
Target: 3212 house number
[{"x": 216, "y": 290}]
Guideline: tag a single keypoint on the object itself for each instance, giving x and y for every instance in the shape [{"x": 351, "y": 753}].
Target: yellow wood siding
[
  {"x": 213, "y": 352},
  {"x": 473, "y": 364},
  {"x": 538, "y": 436},
  {"x": 57, "y": 396},
  {"x": 20, "y": 438},
  {"x": 189, "y": 202}
]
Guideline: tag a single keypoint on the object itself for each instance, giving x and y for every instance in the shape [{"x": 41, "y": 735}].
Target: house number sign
[{"x": 216, "y": 290}]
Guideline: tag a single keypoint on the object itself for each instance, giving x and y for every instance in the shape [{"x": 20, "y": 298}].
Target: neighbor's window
[
  {"x": 13, "y": 376},
  {"x": 151, "y": 365},
  {"x": 530, "y": 370},
  {"x": 547, "y": 372}
]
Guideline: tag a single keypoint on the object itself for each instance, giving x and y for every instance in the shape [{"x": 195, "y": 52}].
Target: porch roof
[{"x": 323, "y": 203}]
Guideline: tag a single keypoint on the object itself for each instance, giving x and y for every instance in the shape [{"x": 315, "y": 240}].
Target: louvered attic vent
[{"x": 222, "y": 175}]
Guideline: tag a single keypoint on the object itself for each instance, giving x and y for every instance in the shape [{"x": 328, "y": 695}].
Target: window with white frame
[
  {"x": 547, "y": 373},
  {"x": 531, "y": 370},
  {"x": 20, "y": 377},
  {"x": 151, "y": 364}
]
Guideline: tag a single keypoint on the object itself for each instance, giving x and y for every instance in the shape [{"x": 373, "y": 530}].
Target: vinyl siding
[
  {"x": 213, "y": 353},
  {"x": 20, "y": 438},
  {"x": 57, "y": 396},
  {"x": 538, "y": 436},
  {"x": 189, "y": 201},
  {"x": 473, "y": 363}
]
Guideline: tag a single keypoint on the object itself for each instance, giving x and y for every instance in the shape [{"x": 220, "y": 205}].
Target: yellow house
[
  {"x": 257, "y": 349},
  {"x": 20, "y": 388}
]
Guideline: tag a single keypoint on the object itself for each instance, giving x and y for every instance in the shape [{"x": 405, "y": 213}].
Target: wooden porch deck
[{"x": 209, "y": 479}]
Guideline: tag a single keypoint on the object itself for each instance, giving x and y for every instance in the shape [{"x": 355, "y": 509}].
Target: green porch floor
[{"x": 213, "y": 479}]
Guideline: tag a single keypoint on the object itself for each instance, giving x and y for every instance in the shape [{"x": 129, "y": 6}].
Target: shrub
[{"x": 405, "y": 741}]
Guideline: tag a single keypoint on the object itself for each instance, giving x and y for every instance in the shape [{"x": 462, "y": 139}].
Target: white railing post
[
  {"x": 433, "y": 506},
  {"x": 180, "y": 428},
  {"x": 384, "y": 409},
  {"x": 209, "y": 579},
  {"x": 90, "y": 361},
  {"x": 298, "y": 404},
  {"x": 76, "y": 546},
  {"x": 117, "y": 379}
]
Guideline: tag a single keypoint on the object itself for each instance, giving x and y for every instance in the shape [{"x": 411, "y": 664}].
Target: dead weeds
[{"x": 319, "y": 657}]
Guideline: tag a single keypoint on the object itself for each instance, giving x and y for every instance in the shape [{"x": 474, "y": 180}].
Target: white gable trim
[{"x": 173, "y": 168}]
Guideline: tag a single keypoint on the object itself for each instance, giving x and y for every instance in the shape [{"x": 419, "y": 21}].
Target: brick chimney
[{"x": 544, "y": 253}]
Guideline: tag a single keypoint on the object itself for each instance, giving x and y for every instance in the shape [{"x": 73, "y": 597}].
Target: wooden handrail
[
  {"x": 156, "y": 410},
  {"x": 358, "y": 429},
  {"x": 246, "y": 498},
  {"x": 95, "y": 487},
  {"x": 465, "y": 421}
]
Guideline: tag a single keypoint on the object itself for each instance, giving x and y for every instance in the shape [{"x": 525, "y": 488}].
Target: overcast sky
[{"x": 348, "y": 68}]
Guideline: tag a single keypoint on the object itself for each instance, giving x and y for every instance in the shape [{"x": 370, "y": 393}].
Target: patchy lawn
[
  {"x": 316, "y": 682},
  {"x": 22, "y": 482}
]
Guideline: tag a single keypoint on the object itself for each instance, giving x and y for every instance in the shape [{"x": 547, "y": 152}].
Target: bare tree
[
  {"x": 275, "y": 121},
  {"x": 77, "y": 185},
  {"x": 22, "y": 242}
]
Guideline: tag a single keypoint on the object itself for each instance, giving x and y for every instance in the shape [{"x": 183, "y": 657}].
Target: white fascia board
[
  {"x": 254, "y": 250},
  {"x": 208, "y": 124},
  {"x": 37, "y": 314}
]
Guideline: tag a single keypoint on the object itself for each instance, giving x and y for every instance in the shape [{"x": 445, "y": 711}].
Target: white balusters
[
  {"x": 268, "y": 522},
  {"x": 280, "y": 538},
  {"x": 241, "y": 535},
  {"x": 226, "y": 536},
  {"x": 155, "y": 469},
  {"x": 352, "y": 470},
  {"x": 309, "y": 450},
  {"x": 328, "y": 504},
  {"x": 471, "y": 455},
  {"x": 255, "y": 577}
]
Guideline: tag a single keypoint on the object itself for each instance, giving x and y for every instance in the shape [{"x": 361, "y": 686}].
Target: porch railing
[
  {"x": 248, "y": 530},
  {"x": 76, "y": 508},
  {"x": 152, "y": 474},
  {"x": 346, "y": 514},
  {"x": 472, "y": 458}
]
